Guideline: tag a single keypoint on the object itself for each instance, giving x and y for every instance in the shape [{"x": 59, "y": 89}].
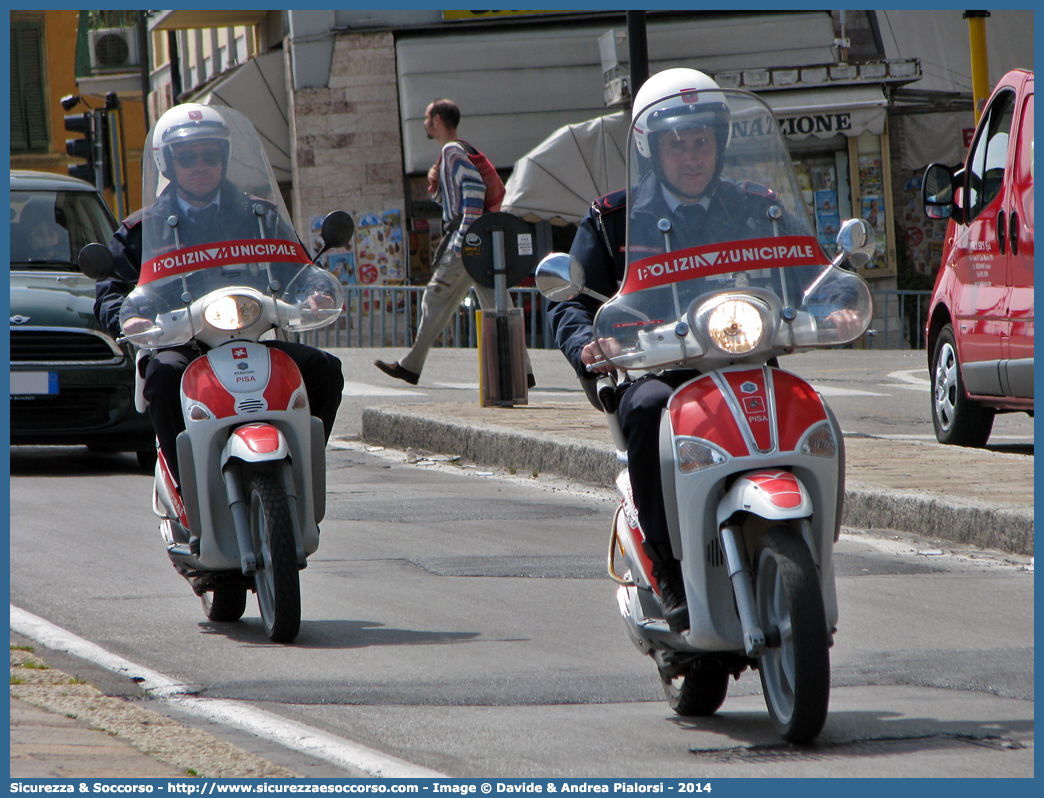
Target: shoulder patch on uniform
[
  {"x": 135, "y": 218},
  {"x": 613, "y": 201},
  {"x": 757, "y": 188}
]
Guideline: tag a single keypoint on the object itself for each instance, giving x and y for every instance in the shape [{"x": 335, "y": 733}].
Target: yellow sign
[{"x": 466, "y": 16}]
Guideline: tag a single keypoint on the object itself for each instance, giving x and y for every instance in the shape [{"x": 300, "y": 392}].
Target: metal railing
[
  {"x": 387, "y": 316},
  {"x": 899, "y": 319}
]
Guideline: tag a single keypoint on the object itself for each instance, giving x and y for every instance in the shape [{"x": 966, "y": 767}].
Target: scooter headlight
[
  {"x": 735, "y": 326},
  {"x": 232, "y": 312}
]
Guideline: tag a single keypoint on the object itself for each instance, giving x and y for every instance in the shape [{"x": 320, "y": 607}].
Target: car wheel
[
  {"x": 958, "y": 420},
  {"x": 147, "y": 459}
]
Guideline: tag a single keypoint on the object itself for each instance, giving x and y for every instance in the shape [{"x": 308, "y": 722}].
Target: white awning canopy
[
  {"x": 557, "y": 181},
  {"x": 257, "y": 89}
]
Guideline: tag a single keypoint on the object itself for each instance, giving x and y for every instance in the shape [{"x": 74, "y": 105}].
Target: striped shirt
[{"x": 460, "y": 192}]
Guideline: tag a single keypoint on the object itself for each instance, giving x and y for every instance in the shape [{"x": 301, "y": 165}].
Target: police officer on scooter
[
  {"x": 191, "y": 145},
  {"x": 682, "y": 141}
]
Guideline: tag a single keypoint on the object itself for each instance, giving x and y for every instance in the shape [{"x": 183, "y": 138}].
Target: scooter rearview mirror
[
  {"x": 560, "y": 277},
  {"x": 96, "y": 261},
  {"x": 337, "y": 231},
  {"x": 857, "y": 240}
]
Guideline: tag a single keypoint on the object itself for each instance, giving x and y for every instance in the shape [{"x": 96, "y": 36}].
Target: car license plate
[{"x": 29, "y": 383}]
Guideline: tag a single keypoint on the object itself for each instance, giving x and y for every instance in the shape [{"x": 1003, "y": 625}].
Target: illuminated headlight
[
  {"x": 735, "y": 326},
  {"x": 232, "y": 312},
  {"x": 821, "y": 443},
  {"x": 694, "y": 455}
]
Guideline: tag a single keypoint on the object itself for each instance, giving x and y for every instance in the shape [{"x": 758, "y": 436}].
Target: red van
[{"x": 980, "y": 320}]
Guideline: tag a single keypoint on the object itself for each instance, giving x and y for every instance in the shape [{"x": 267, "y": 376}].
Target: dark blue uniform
[
  {"x": 235, "y": 219},
  {"x": 737, "y": 210}
]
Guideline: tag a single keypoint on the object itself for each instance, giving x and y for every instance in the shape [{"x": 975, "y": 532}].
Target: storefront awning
[
  {"x": 827, "y": 112},
  {"x": 257, "y": 89},
  {"x": 558, "y": 179}
]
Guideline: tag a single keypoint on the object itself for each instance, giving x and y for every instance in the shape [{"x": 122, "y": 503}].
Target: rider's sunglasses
[{"x": 187, "y": 160}]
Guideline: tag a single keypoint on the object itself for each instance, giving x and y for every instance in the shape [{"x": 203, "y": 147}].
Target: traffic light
[
  {"x": 82, "y": 147},
  {"x": 101, "y": 132}
]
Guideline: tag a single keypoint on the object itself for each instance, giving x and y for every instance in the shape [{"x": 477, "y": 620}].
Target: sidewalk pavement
[
  {"x": 64, "y": 728},
  {"x": 968, "y": 496}
]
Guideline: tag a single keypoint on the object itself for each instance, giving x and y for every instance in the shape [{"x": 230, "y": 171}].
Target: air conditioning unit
[{"x": 114, "y": 48}]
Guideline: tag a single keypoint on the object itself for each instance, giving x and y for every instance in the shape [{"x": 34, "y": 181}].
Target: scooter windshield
[
  {"x": 214, "y": 222},
  {"x": 715, "y": 214}
]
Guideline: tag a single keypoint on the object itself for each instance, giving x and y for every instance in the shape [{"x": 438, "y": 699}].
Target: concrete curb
[{"x": 988, "y": 525}]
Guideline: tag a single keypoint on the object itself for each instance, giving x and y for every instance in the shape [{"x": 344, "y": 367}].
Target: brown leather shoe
[{"x": 397, "y": 371}]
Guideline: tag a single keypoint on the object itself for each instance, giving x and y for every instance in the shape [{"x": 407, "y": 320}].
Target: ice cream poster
[{"x": 380, "y": 257}]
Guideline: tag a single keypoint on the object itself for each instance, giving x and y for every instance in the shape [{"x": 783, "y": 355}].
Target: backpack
[{"x": 494, "y": 185}]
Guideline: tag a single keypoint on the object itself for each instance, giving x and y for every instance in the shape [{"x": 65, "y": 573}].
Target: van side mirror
[
  {"x": 96, "y": 262},
  {"x": 939, "y": 192}
]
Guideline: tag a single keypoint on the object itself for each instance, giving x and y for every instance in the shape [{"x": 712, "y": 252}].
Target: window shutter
[
  {"x": 19, "y": 139},
  {"x": 28, "y": 105}
]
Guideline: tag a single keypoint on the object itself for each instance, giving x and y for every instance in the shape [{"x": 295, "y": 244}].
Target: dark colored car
[
  {"x": 980, "y": 323},
  {"x": 71, "y": 383}
]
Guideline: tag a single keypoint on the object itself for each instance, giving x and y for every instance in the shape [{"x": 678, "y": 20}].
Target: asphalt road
[{"x": 461, "y": 621}]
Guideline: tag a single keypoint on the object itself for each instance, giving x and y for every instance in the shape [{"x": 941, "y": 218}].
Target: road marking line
[
  {"x": 908, "y": 376},
  {"x": 830, "y": 390},
  {"x": 288, "y": 733}
]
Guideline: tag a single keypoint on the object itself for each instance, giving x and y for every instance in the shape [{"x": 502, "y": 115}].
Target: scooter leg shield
[
  {"x": 318, "y": 469},
  {"x": 189, "y": 489}
]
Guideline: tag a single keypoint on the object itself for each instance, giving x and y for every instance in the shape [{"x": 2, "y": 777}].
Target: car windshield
[{"x": 49, "y": 228}]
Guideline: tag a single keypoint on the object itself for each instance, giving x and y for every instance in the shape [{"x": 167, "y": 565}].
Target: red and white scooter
[
  {"x": 252, "y": 458},
  {"x": 752, "y": 459}
]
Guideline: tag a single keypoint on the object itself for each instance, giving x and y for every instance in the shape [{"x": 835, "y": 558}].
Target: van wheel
[{"x": 958, "y": 420}]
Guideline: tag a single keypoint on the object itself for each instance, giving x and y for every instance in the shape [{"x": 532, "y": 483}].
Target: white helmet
[
  {"x": 188, "y": 122},
  {"x": 679, "y": 99}
]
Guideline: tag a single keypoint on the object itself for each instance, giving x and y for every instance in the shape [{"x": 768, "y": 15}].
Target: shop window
[
  {"x": 28, "y": 102},
  {"x": 823, "y": 178}
]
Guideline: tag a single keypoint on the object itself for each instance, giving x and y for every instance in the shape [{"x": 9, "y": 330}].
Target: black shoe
[
  {"x": 671, "y": 586},
  {"x": 397, "y": 371},
  {"x": 530, "y": 381}
]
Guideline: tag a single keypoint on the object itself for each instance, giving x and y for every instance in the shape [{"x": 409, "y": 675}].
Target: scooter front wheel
[
  {"x": 277, "y": 580},
  {"x": 795, "y": 669},
  {"x": 697, "y": 692}
]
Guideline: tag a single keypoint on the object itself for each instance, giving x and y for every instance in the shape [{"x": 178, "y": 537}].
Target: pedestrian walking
[{"x": 455, "y": 182}]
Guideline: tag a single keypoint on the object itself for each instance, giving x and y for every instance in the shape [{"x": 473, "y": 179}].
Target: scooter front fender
[
  {"x": 770, "y": 493},
  {"x": 255, "y": 443}
]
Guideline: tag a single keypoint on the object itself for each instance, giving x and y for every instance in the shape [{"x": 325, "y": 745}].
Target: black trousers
[
  {"x": 641, "y": 406},
  {"x": 320, "y": 370}
]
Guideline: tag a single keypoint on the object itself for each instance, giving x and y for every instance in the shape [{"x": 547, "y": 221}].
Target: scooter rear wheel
[
  {"x": 277, "y": 580},
  {"x": 697, "y": 692},
  {"x": 795, "y": 669},
  {"x": 225, "y": 603}
]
